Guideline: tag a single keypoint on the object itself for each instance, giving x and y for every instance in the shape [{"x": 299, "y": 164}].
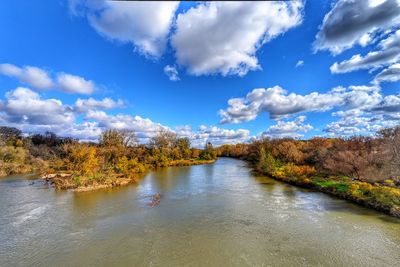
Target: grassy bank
[
  {"x": 364, "y": 170},
  {"x": 382, "y": 197}
]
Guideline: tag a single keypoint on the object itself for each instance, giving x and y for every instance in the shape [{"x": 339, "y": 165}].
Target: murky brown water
[{"x": 209, "y": 215}]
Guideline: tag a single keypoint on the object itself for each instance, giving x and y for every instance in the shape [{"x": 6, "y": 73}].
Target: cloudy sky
[{"x": 220, "y": 71}]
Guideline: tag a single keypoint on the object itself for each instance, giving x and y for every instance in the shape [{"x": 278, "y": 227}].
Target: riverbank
[
  {"x": 381, "y": 197},
  {"x": 117, "y": 159},
  {"x": 79, "y": 183}
]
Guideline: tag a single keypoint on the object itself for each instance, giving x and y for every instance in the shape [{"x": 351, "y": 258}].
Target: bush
[
  {"x": 208, "y": 152},
  {"x": 129, "y": 167},
  {"x": 266, "y": 164}
]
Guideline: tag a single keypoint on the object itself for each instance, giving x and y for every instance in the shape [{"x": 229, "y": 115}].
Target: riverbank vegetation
[
  {"x": 116, "y": 159},
  {"x": 365, "y": 170}
]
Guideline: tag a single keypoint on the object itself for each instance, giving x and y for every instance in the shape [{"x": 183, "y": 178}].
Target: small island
[{"x": 115, "y": 160}]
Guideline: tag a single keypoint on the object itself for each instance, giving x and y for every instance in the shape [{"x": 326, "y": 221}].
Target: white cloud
[
  {"x": 278, "y": 103},
  {"x": 369, "y": 116},
  {"x": 84, "y": 105},
  {"x": 353, "y": 22},
  {"x": 291, "y": 129},
  {"x": 300, "y": 63},
  {"x": 172, "y": 73},
  {"x": 390, "y": 74},
  {"x": 361, "y": 124},
  {"x": 217, "y": 136},
  {"x": 223, "y": 37},
  {"x": 85, "y": 131},
  {"x": 144, "y": 128},
  {"x": 220, "y": 136},
  {"x": 24, "y": 106},
  {"x": 74, "y": 84},
  {"x": 386, "y": 105},
  {"x": 28, "y": 111},
  {"x": 32, "y": 76},
  {"x": 388, "y": 53},
  {"x": 40, "y": 79},
  {"x": 144, "y": 24}
]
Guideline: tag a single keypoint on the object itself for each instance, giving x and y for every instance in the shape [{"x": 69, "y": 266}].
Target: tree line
[
  {"x": 116, "y": 154},
  {"x": 363, "y": 169}
]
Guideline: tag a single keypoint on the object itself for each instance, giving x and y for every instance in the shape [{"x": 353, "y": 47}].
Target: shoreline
[
  {"x": 333, "y": 185},
  {"x": 332, "y": 189},
  {"x": 69, "y": 181}
]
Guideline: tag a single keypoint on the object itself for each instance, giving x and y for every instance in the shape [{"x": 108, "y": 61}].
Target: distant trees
[
  {"x": 166, "y": 146},
  {"x": 117, "y": 138},
  {"x": 356, "y": 157},
  {"x": 9, "y": 135},
  {"x": 116, "y": 155},
  {"x": 391, "y": 149},
  {"x": 14, "y": 153},
  {"x": 49, "y": 139},
  {"x": 208, "y": 152},
  {"x": 290, "y": 151},
  {"x": 373, "y": 159},
  {"x": 165, "y": 139},
  {"x": 183, "y": 148},
  {"x": 235, "y": 151}
]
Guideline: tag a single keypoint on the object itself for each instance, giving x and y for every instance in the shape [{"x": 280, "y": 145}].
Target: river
[{"x": 209, "y": 215}]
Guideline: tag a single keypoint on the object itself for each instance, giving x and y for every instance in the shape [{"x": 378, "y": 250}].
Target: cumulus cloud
[
  {"x": 364, "y": 124},
  {"x": 223, "y": 37},
  {"x": 172, "y": 73},
  {"x": 353, "y": 22},
  {"x": 40, "y": 79},
  {"x": 144, "y": 128},
  {"x": 390, "y": 74},
  {"x": 74, "y": 84},
  {"x": 278, "y": 103},
  {"x": 146, "y": 25},
  {"x": 291, "y": 129},
  {"x": 24, "y": 106},
  {"x": 219, "y": 136},
  {"x": 388, "y": 104},
  {"x": 29, "y": 75},
  {"x": 215, "y": 135},
  {"x": 28, "y": 111},
  {"x": 388, "y": 53},
  {"x": 84, "y": 105},
  {"x": 367, "y": 118},
  {"x": 85, "y": 131}
]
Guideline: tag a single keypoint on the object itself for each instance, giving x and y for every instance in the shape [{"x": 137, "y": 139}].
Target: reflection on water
[{"x": 208, "y": 215}]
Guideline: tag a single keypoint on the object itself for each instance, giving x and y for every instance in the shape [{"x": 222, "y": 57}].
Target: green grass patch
[{"x": 337, "y": 186}]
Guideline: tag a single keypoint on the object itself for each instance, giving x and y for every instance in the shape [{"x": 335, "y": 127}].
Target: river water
[{"x": 209, "y": 215}]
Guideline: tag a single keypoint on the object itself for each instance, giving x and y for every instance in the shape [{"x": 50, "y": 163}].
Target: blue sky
[{"x": 116, "y": 57}]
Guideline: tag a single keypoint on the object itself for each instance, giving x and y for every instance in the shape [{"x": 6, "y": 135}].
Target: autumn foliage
[
  {"x": 363, "y": 169},
  {"x": 116, "y": 156}
]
